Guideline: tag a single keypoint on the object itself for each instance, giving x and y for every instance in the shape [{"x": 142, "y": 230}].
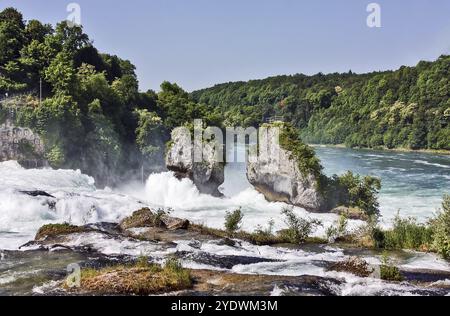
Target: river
[{"x": 413, "y": 183}]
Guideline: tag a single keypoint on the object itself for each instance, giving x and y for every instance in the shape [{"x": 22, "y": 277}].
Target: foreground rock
[
  {"x": 354, "y": 265},
  {"x": 141, "y": 279},
  {"x": 276, "y": 172},
  {"x": 112, "y": 263},
  {"x": 55, "y": 230},
  {"x": 222, "y": 283},
  {"x": 146, "y": 218},
  {"x": 351, "y": 213},
  {"x": 208, "y": 174}
]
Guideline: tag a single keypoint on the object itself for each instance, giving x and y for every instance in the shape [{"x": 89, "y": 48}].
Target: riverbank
[
  {"x": 152, "y": 253},
  {"x": 408, "y": 150}
]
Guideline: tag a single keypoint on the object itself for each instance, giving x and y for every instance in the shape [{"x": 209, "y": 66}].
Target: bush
[
  {"x": 388, "y": 271},
  {"x": 142, "y": 262},
  {"x": 233, "y": 220},
  {"x": 298, "y": 228},
  {"x": 441, "y": 229},
  {"x": 407, "y": 234},
  {"x": 357, "y": 191},
  {"x": 338, "y": 230},
  {"x": 56, "y": 157},
  {"x": 263, "y": 235}
]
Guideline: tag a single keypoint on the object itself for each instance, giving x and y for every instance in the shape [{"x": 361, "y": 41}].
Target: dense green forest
[
  {"x": 92, "y": 115},
  {"x": 406, "y": 108}
]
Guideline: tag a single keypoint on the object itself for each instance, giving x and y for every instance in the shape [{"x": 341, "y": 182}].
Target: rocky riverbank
[{"x": 151, "y": 252}]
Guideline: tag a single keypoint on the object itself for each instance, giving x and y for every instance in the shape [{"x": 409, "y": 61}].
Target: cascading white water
[
  {"x": 76, "y": 201},
  {"x": 164, "y": 190}
]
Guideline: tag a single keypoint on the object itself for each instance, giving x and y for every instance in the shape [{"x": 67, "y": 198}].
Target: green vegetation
[
  {"x": 348, "y": 190},
  {"x": 338, "y": 230},
  {"x": 354, "y": 265},
  {"x": 92, "y": 117},
  {"x": 27, "y": 150},
  {"x": 141, "y": 278},
  {"x": 308, "y": 163},
  {"x": 406, "y": 233},
  {"x": 298, "y": 228},
  {"x": 441, "y": 229},
  {"x": 53, "y": 230},
  {"x": 3, "y": 115},
  {"x": 355, "y": 191},
  {"x": 388, "y": 271},
  {"x": 298, "y": 231},
  {"x": 233, "y": 220},
  {"x": 406, "y": 108}
]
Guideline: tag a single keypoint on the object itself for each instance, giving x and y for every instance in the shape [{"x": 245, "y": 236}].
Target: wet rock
[
  {"x": 436, "y": 277},
  {"x": 108, "y": 228},
  {"x": 208, "y": 174},
  {"x": 224, "y": 262},
  {"x": 140, "y": 218},
  {"x": 37, "y": 193},
  {"x": 222, "y": 283},
  {"x": 354, "y": 265},
  {"x": 174, "y": 223},
  {"x": 140, "y": 279},
  {"x": 55, "y": 230},
  {"x": 146, "y": 218},
  {"x": 227, "y": 242}
]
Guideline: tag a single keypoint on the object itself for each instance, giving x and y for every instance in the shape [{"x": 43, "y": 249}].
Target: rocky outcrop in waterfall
[
  {"x": 286, "y": 170},
  {"x": 208, "y": 173}
]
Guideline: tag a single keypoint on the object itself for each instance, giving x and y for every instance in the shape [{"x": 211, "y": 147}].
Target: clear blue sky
[{"x": 199, "y": 43}]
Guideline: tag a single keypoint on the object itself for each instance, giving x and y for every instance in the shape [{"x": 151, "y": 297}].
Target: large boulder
[
  {"x": 207, "y": 174},
  {"x": 276, "y": 171}
]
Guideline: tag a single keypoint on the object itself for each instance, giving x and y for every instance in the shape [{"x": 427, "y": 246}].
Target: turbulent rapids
[{"x": 30, "y": 198}]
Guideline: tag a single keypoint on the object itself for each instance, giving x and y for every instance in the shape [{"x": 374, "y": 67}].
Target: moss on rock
[
  {"x": 354, "y": 265},
  {"x": 53, "y": 230},
  {"x": 140, "y": 218},
  {"x": 139, "y": 279}
]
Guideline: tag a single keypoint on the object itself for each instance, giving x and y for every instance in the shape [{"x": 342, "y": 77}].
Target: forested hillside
[
  {"x": 408, "y": 108},
  {"x": 92, "y": 115}
]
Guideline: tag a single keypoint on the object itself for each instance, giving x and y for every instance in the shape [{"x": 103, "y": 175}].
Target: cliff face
[
  {"x": 21, "y": 144},
  {"x": 275, "y": 173},
  {"x": 207, "y": 175}
]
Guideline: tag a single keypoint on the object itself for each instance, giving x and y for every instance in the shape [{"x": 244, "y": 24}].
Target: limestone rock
[
  {"x": 146, "y": 218},
  {"x": 140, "y": 218},
  {"x": 275, "y": 173},
  {"x": 207, "y": 175},
  {"x": 174, "y": 223}
]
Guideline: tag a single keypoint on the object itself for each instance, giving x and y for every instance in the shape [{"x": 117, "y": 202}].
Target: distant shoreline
[{"x": 426, "y": 151}]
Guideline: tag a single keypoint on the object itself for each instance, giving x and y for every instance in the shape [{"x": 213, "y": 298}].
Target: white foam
[
  {"x": 165, "y": 190},
  {"x": 76, "y": 201}
]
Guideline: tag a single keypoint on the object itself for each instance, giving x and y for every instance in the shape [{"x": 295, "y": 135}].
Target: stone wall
[{"x": 21, "y": 144}]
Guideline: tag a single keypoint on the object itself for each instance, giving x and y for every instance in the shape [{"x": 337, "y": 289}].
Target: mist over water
[{"x": 413, "y": 183}]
